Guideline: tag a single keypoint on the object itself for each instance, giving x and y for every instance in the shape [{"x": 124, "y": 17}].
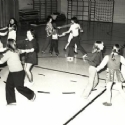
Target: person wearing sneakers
[
  {"x": 74, "y": 29},
  {"x": 30, "y": 58},
  {"x": 54, "y": 42},
  {"x": 94, "y": 59},
  {"x": 70, "y": 37},
  {"x": 114, "y": 75},
  {"x": 16, "y": 74}
]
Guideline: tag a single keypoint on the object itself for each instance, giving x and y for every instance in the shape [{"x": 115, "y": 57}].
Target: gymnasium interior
[{"x": 58, "y": 84}]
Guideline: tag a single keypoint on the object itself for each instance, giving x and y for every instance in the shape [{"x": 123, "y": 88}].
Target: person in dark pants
[
  {"x": 54, "y": 41},
  {"x": 74, "y": 29},
  {"x": 48, "y": 29},
  {"x": 16, "y": 74}
]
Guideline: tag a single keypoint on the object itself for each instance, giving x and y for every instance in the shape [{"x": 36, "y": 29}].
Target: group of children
[
  {"x": 95, "y": 59},
  {"x": 73, "y": 40},
  {"x": 11, "y": 54},
  {"x": 113, "y": 72}
]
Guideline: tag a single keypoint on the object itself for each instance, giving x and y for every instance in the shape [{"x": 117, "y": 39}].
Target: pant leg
[
  {"x": 80, "y": 47},
  {"x": 71, "y": 47},
  {"x": 52, "y": 46},
  {"x": 10, "y": 91},
  {"x": 90, "y": 85},
  {"x": 47, "y": 43},
  {"x": 123, "y": 70},
  {"x": 56, "y": 47},
  {"x": 18, "y": 78}
]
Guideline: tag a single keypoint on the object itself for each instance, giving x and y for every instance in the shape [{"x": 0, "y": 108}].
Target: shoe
[
  {"x": 12, "y": 104},
  {"x": 51, "y": 53},
  {"x": 57, "y": 54},
  {"x": 107, "y": 104},
  {"x": 75, "y": 52},
  {"x": 64, "y": 49},
  {"x": 43, "y": 51},
  {"x": 70, "y": 59},
  {"x": 34, "y": 97}
]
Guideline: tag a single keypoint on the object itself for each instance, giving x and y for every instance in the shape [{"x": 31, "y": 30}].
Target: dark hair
[
  {"x": 15, "y": 22},
  {"x": 115, "y": 50},
  {"x": 74, "y": 19},
  {"x": 11, "y": 45},
  {"x": 95, "y": 46},
  {"x": 48, "y": 19},
  {"x": 54, "y": 25},
  {"x": 14, "y": 25}
]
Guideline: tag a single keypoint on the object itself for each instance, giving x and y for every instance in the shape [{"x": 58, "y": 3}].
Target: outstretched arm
[
  {"x": 103, "y": 63},
  {"x": 26, "y": 50},
  {"x": 122, "y": 60},
  {"x": 64, "y": 26},
  {"x": 3, "y": 49},
  {"x": 3, "y": 34},
  {"x": 4, "y": 28}
]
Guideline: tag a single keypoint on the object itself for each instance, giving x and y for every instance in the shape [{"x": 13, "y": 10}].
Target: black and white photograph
[{"x": 62, "y": 62}]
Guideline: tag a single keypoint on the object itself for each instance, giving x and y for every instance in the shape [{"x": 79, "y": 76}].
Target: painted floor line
[
  {"x": 86, "y": 105},
  {"x": 64, "y": 71}
]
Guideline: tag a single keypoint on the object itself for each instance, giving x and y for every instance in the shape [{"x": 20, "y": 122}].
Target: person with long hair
[
  {"x": 10, "y": 29},
  {"x": 16, "y": 74},
  {"x": 114, "y": 75},
  {"x": 94, "y": 59},
  {"x": 30, "y": 58}
]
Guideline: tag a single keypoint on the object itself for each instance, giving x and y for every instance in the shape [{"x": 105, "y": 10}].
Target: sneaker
[
  {"x": 75, "y": 52},
  {"x": 34, "y": 97},
  {"x": 64, "y": 49},
  {"x": 107, "y": 104},
  {"x": 70, "y": 59},
  {"x": 57, "y": 54},
  {"x": 12, "y": 104},
  {"x": 51, "y": 53},
  {"x": 43, "y": 51}
]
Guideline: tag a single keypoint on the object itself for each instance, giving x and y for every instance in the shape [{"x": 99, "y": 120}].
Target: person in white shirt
[
  {"x": 74, "y": 29},
  {"x": 70, "y": 37},
  {"x": 114, "y": 74}
]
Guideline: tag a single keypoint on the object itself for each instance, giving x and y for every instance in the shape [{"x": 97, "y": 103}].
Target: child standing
[
  {"x": 11, "y": 29},
  {"x": 48, "y": 29},
  {"x": 30, "y": 58},
  {"x": 16, "y": 74},
  {"x": 114, "y": 74},
  {"x": 74, "y": 29},
  {"x": 94, "y": 59},
  {"x": 54, "y": 42}
]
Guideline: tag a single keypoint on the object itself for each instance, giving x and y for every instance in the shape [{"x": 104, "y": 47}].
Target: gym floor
[{"x": 59, "y": 84}]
